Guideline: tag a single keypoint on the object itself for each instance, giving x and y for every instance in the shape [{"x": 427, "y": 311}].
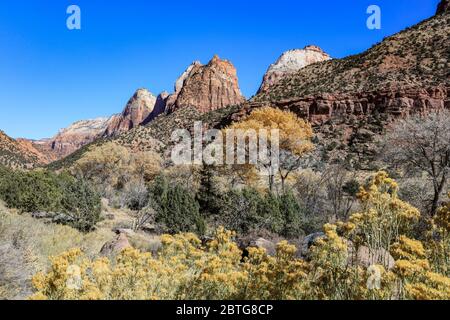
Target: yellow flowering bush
[
  {"x": 186, "y": 268},
  {"x": 414, "y": 271},
  {"x": 333, "y": 276},
  {"x": 383, "y": 218},
  {"x": 439, "y": 240},
  {"x": 281, "y": 277},
  {"x": 329, "y": 269}
]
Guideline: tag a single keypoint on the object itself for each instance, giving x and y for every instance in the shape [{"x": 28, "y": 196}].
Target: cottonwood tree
[
  {"x": 295, "y": 136},
  {"x": 422, "y": 143},
  {"x": 113, "y": 165}
]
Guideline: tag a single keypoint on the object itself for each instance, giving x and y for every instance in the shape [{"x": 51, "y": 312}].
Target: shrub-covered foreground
[
  {"x": 187, "y": 269},
  {"x": 42, "y": 190},
  {"x": 26, "y": 244}
]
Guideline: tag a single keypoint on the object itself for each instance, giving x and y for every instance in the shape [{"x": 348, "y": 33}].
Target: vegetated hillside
[
  {"x": 156, "y": 136},
  {"x": 14, "y": 154},
  {"x": 352, "y": 101},
  {"x": 417, "y": 57},
  {"x": 142, "y": 138}
]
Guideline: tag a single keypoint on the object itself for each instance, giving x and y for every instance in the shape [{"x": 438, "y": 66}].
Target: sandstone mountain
[
  {"x": 207, "y": 87},
  {"x": 179, "y": 83},
  {"x": 142, "y": 107},
  {"x": 351, "y": 101},
  {"x": 291, "y": 62},
  {"x": 160, "y": 108},
  {"x": 18, "y": 155},
  {"x": 405, "y": 73},
  {"x": 73, "y": 137},
  {"x": 138, "y": 109},
  {"x": 202, "y": 87},
  {"x": 156, "y": 135}
]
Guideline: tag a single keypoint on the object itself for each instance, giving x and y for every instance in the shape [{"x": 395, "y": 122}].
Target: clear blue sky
[{"x": 51, "y": 77}]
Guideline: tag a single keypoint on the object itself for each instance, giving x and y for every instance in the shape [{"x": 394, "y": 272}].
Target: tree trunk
[{"x": 437, "y": 195}]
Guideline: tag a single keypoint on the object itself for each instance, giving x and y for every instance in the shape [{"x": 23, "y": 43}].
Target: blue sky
[{"x": 51, "y": 76}]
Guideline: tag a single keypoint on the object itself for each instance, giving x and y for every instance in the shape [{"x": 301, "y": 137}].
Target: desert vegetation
[
  {"x": 61, "y": 196},
  {"x": 357, "y": 207},
  {"x": 185, "y": 268},
  {"x": 312, "y": 230}
]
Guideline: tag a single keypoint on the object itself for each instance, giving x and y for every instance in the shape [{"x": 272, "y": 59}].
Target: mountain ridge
[{"x": 405, "y": 73}]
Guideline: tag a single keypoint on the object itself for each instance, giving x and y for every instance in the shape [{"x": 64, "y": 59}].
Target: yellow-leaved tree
[
  {"x": 293, "y": 139},
  {"x": 113, "y": 165}
]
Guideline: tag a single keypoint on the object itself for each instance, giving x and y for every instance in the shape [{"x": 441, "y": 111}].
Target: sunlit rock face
[
  {"x": 292, "y": 61},
  {"x": 207, "y": 87}
]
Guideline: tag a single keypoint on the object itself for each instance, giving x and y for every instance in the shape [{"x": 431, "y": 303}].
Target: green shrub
[
  {"x": 246, "y": 210},
  {"x": 239, "y": 210},
  {"x": 208, "y": 195},
  {"x": 30, "y": 192},
  {"x": 269, "y": 215},
  {"x": 294, "y": 219},
  {"x": 176, "y": 208},
  {"x": 79, "y": 202},
  {"x": 50, "y": 192}
]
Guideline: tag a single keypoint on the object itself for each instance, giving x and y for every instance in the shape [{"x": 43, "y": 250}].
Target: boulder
[
  {"x": 41, "y": 215},
  {"x": 62, "y": 218},
  {"x": 116, "y": 246},
  {"x": 269, "y": 246},
  {"x": 309, "y": 241},
  {"x": 366, "y": 257}
]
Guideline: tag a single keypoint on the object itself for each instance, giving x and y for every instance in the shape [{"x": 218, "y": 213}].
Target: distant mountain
[
  {"x": 202, "y": 87},
  {"x": 137, "y": 110},
  {"x": 208, "y": 93},
  {"x": 351, "y": 101},
  {"x": 207, "y": 87},
  {"x": 73, "y": 137},
  {"x": 290, "y": 62},
  {"x": 141, "y": 107},
  {"x": 17, "y": 154}
]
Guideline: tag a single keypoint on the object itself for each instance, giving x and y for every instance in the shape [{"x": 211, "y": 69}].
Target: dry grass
[{"x": 26, "y": 244}]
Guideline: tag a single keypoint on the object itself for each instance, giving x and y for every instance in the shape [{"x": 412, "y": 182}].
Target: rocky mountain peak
[
  {"x": 224, "y": 66},
  {"x": 141, "y": 102},
  {"x": 314, "y": 48},
  {"x": 443, "y": 7},
  {"x": 292, "y": 61},
  {"x": 207, "y": 87},
  {"x": 160, "y": 107},
  {"x": 138, "y": 109},
  {"x": 180, "y": 81}
]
